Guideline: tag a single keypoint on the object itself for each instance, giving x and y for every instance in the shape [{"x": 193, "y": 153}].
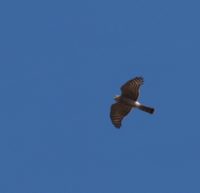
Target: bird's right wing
[
  {"x": 118, "y": 112},
  {"x": 131, "y": 88}
]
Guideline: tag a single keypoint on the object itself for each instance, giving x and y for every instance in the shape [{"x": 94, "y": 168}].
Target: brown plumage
[{"x": 127, "y": 101}]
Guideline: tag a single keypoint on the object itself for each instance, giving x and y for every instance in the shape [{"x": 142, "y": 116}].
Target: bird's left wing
[
  {"x": 131, "y": 88},
  {"x": 118, "y": 112}
]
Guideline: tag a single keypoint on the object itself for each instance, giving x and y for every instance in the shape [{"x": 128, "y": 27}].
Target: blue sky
[{"x": 61, "y": 63}]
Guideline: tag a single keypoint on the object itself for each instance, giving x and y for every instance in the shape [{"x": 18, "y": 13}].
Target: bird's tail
[{"x": 146, "y": 109}]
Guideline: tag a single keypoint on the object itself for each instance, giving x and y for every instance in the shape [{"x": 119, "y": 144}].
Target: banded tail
[{"x": 146, "y": 109}]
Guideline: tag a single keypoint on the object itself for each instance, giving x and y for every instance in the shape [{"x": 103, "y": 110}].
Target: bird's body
[{"x": 127, "y": 101}]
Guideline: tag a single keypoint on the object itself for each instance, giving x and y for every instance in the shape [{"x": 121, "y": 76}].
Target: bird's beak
[{"x": 117, "y": 97}]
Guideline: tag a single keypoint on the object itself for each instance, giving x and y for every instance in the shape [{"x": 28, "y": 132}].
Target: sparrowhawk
[{"x": 127, "y": 101}]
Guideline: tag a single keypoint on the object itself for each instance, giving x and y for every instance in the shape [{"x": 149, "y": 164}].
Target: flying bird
[{"x": 127, "y": 101}]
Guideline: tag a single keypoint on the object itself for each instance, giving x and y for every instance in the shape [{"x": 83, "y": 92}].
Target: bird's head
[{"x": 117, "y": 98}]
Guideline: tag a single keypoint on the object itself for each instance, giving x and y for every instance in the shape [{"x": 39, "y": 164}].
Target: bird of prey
[{"x": 127, "y": 101}]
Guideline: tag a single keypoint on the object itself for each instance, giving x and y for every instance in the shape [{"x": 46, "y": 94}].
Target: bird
[{"x": 127, "y": 101}]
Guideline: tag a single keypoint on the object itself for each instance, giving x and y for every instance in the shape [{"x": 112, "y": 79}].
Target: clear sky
[{"x": 61, "y": 63}]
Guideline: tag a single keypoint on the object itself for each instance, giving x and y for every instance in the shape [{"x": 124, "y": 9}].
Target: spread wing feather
[
  {"x": 131, "y": 88},
  {"x": 118, "y": 112}
]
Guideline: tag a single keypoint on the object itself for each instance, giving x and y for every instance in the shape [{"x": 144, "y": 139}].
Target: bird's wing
[
  {"x": 118, "y": 112},
  {"x": 131, "y": 88}
]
